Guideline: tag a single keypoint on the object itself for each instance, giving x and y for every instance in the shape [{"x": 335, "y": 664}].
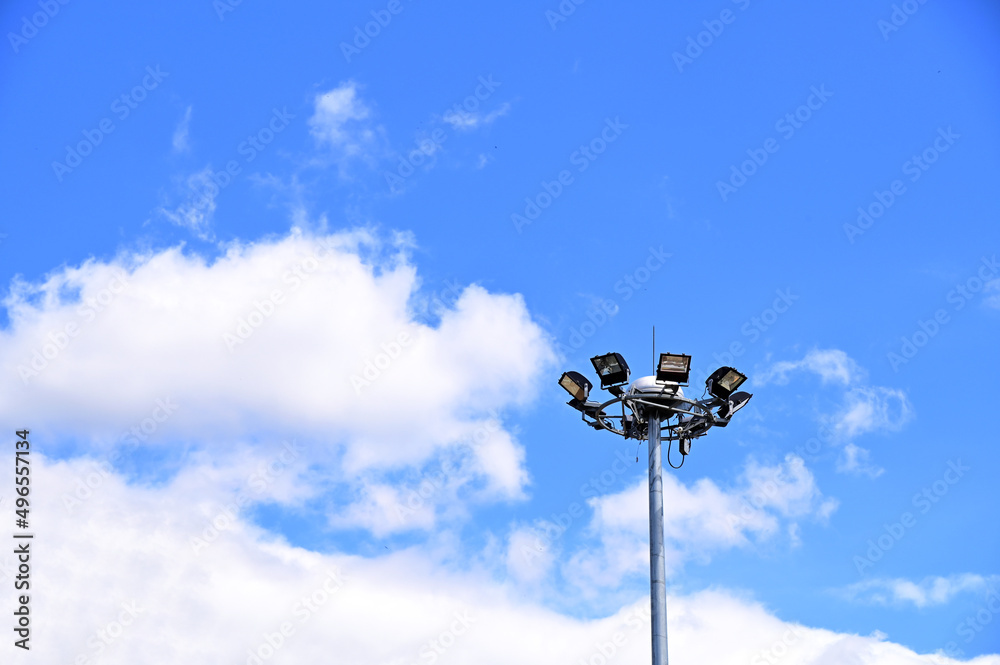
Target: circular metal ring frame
[{"x": 699, "y": 411}]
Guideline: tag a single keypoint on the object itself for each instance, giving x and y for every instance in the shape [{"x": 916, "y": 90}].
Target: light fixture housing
[
  {"x": 735, "y": 402},
  {"x": 576, "y": 384},
  {"x": 612, "y": 369},
  {"x": 675, "y": 367},
  {"x": 587, "y": 408},
  {"x": 724, "y": 381}
]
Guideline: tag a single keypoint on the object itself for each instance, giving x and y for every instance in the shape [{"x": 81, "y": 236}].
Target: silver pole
[{"x": 657, "y": 567}]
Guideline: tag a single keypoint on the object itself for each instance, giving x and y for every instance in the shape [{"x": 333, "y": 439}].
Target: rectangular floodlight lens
[
  {"x": 724, "y": 381},
  {"x": 673, "y": 367},
  {"x": 576, "y": 385},
  {"x": 612, "y": 369},
  {"x": 607, "y": 365},
  {"x": 732, "y": 380}
]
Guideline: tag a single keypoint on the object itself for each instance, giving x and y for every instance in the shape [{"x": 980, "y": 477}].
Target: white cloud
[
  {"x": 855, "y": 459},
  {"x": 198, "y": 208},
  {"x": 180, "y": 140},
  {"x": 927, "y": 592},
  {"x": 341, "y": 122},
  {"x": 487, "y": 465},
  {"x": 530, "y": 555},
  {"x": 331, "y": 355},
  {"x": 246, "y": 592},
  {"x": 832, "y": 365},
  {"x": 207, "y": 585},
  {"x": 872, "y": 408},
  {"x": 864, "y": 408},
  {"x": 699, "y": 520},
  {"x": 467, "y": 121}
]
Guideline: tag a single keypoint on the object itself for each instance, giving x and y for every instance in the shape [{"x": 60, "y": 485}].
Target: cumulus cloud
[
  {"x": 530, "y": 555},
  {"x": 342, "y": 123},
  {"x": 866, "y": 409},
  {"x": 831, "y": 365},
  {"x": 702, "y": 519},
  {"x": 163, "y": 575},
  {"x": 301, "y": 336},
  {"x": 872, "y": 408},
  {"x": 197, "y": 207},
  {"x": 927, "y": 592},
  {"x": 857, "y": 460},
  {"x": 863, "y": 408},
  {"x": 270, "y": 368}
]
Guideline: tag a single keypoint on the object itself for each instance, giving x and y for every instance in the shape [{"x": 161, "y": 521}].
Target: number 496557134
[{"x": 22, "y": 470}]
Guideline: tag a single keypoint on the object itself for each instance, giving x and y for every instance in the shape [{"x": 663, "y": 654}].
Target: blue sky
[{"x": 241, "y": 209}]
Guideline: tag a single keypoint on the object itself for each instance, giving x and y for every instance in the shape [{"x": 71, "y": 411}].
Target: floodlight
[
  {"x": 724, "y": 381},
  {"x": 576, "y": 384},
  {"x": 736, "y": 402},
  {"x": 612, "y": 369},
  {"x": 673, "y": 367}
]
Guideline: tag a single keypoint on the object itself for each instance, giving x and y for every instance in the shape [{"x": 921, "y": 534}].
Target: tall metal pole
[{"x": 657, "y": 567}]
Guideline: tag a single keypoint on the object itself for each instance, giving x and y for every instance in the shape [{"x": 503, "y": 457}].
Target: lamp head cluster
[{"x": 656, "y": 397}]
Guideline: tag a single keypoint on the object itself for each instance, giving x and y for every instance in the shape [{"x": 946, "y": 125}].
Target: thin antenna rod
[{"x": 654, "y": 348}]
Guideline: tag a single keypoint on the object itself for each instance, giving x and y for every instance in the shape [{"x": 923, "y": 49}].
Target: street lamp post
[
  {"x": 654, "y": 404},
  {"x": 657, "y": 565}
]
